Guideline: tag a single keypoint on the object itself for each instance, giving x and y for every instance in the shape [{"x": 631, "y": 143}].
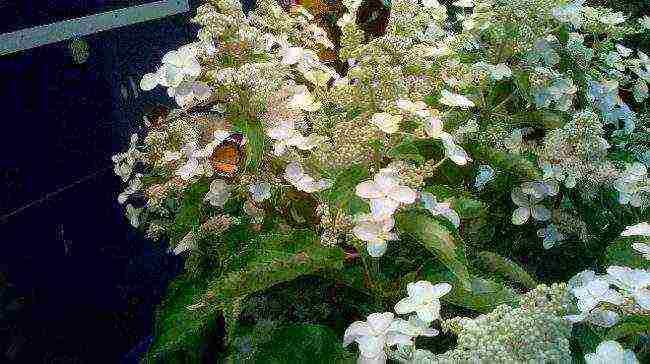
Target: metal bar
[{"x": 45, "y": 34}]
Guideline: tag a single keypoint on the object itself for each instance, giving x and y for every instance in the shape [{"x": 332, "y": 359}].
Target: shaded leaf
[
  {"x": 436, "y": 238},
  {"x": 513, "y": 271},
  {"x": 620, "y": 252}
]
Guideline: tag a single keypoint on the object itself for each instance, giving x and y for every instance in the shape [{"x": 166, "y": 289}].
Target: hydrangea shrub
[{"x": 428, "y": 164}]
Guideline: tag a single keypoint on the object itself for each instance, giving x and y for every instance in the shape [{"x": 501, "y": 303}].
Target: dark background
[{"x": 77, "y": 284}]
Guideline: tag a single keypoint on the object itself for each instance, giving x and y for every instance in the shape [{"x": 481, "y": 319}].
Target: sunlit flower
[
  {"x": 260, "y": 191},
  {"x": 569, "y": 13},
  {"x": 455, "y": 100},
  {"x": 346, "y": 19},
  {"x": 610, "y": 352},
  {"x": 286, "y": 136},
  {"x": 529, "y": 204},
  {"x": 373, "y": 335},
  {"x": 385, "y": 194},
  {"x": 295, "y": 175},
  {"x": 177, "y": 66},
  {"x": 423, "y": 299},
  {"x": 410, "y": 106},
  {"x": 597, "y": 316},
  {"x": 640, "y": 229},
  {"x": 612, "y": 18},
  {"x": 454, "y": 152},
  {"x": 414, "y": 327},
  {"x": 375, "y": 233},
  {"x": 303, "y": 100},
  {"x": 634, "y": 282},
  {"x": 218, "y": 194},
  {"x": 439, "y": 208},
  {"x": 388, "y": 123}
]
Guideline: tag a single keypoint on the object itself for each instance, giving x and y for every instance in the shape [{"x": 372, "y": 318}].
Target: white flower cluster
[
  {"x": 530, "y": 333},
  {"x": 381, "y": 331},
  {"x": 593, "y": 293}
]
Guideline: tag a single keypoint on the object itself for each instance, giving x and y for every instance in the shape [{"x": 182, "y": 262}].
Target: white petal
[
  {"x": 520, "y": 215},
  {"x": 356, "y": 329},
  {"x": 428, "y": 313},
  {"x": 377, "y": 249},
  {"x": 383, "y": 208},
  {"x": 368, "y": 189},
  {"x": 641, "y": 229},
  {"x": 602, "y": 318},
  {"x": 394, "y": 338},
  {"x": 379, "y": 322},
  {"x": 642, "y": 298},
  {"x": 405, "y": 305},
  {"x": 292, "y": 55},
  {"x": 149, "y": 81},
  {"x": 441, "y": 289},
  {"x": 403, "y": 194}
]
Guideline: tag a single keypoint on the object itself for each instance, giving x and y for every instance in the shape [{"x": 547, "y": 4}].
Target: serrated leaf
[
  {"x": 498, "y": 264},
  {"x": 300, "y": 343},
  {"x": 437, "y": 239},
  {"x": 181, "y": 325},
  {"x": 188, "y": 216}
]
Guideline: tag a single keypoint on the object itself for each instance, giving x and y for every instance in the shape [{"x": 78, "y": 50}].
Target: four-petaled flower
[
  {"x": 295, "y": 175},
  {"x": 373, "y": 335},
  {"x": 386, "y": 122},
  {"x": 528, "y": 203},
  {"x": 218, "y": 194},
  {"x": 385, "y": 194},
  {"x": 260, "y": 191},
  {"x": 177, "y": 66},
  {"x": 439, "y": 208},
  {"x": 374, "y": 232},
  {"x": 423, "y": 299},
  {"x": 610, "y": 352},
  {"x": 635, "y": 282}
]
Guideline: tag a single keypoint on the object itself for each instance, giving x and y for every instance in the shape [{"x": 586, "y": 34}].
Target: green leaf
[
  {"x": 173, "y": 343},
  {"x": 515, "y": 164},
  {"x": 254, "y": 145},
  {"x": 302, "y": 343},
  {"x": 482, "y": 295},
  {"x": 407, "y": 151},
  {"x": 631, "y": 325},
  {"x": 513, "y": 271},
  {"x": 620, "y": 252},
  {"x": 179, "y": 326},
  {"x": 342, "y": 194},
  {"x": 468, "y": 208},
  {"x": 437, "y": 239},
  {"x": 189, "y": 215}
]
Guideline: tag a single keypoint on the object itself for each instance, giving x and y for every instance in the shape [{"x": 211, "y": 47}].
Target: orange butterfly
[{"x": 228, "y": 156}]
